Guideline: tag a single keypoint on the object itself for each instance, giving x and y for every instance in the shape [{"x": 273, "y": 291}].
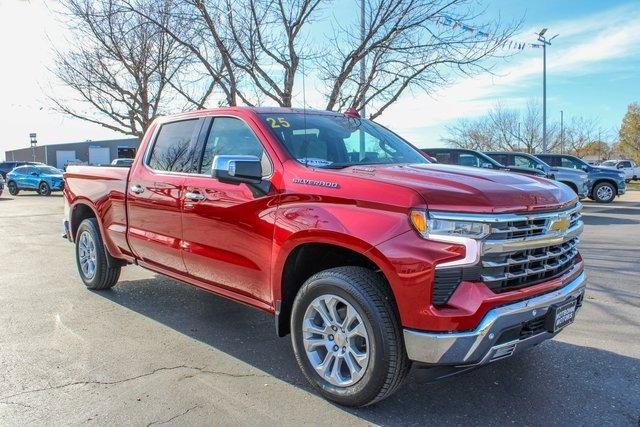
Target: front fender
[{"x": 347, "y": 225}]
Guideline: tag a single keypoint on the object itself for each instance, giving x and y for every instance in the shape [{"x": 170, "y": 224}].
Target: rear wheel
[
  {"x": 604, "y": 192},
  {"x": 347, "y": 336},
  {"x": 44, "y": 189},
  {"x": 91, "y": 258},
  {"x": 13, "y": 188}
]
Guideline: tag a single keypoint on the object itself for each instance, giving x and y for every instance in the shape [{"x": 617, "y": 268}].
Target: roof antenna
[{"x": 304, "y": 113}]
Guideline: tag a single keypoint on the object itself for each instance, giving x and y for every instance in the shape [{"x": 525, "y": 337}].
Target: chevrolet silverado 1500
[{"x": 367, "y": 254}]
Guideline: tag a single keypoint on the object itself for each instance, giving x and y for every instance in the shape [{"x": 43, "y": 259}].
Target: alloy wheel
[{"x": 336, "y": 340}]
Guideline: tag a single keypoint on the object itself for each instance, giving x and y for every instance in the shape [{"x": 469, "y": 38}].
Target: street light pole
[
  {"x": 33, "y": 141},
  {"x": 362, "y": 62},
  {"x": 542, "y": 39}
]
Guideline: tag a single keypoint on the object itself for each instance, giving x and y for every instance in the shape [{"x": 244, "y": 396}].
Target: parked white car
[{"x": 629, "y": 167}]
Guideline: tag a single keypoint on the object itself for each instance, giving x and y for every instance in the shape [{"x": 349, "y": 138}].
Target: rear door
[
  {"x": 227, "y": 227},
  {"x": 154, "y": 200}
]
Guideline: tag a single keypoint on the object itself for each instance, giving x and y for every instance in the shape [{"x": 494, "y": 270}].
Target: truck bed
[{"x": 106, "y": 188}]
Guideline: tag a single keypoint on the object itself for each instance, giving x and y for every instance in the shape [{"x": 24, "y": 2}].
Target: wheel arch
[
  {"x": 571, "y": 185},
  {"x": 82, "y": 210},
  {"x": 607, "y": 180},
  {"x": 307, "y": 258}
]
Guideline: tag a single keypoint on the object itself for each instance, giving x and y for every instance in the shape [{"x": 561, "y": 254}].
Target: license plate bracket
[{"x": 560, "y": 315}]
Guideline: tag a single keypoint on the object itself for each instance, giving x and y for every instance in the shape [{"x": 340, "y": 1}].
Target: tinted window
[
  {"x": 48, "y": 170},
  {"x": 503, "y": 159},
  {"x": 443, "y": 158},
  {"x": 625, "y": 164},
  {"x": 524, "y": 162},
  {"x": 323, "y": 140},
  {"x": 173, "y": 148},
  {"x": 568, "y": 162},
  {"x": 231, "y": 136},
  {"x": 466, "y": 159}
]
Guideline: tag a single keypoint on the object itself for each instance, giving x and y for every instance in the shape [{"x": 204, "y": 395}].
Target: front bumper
[{"x": 497, "y": 336}]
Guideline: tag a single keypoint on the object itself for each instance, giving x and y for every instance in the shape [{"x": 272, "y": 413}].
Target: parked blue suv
[
  {"x": 41, "y": 178},
  {"x": 606, "y": 183}
]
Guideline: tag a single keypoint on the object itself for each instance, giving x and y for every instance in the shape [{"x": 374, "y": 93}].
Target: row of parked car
[
  {"x": 599, "y": 183},
  {"x": 35, "y": 176}
]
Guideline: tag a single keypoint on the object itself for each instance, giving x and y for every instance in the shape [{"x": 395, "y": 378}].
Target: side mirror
[
  {"x": 237, "y": 169},
  {"x": 539, "y": 167},
  {"x": 486, "y": 165},
  {"x": 620, "y": 166},
  {"x": 35, "y": 174}
]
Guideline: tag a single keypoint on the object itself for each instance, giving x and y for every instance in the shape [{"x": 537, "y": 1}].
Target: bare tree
[
  {"x": 119, "y": 66},
  {"x": 406, "y": 49}
]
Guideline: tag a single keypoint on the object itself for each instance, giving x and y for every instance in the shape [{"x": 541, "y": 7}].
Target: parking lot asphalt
[{"x": 154, "y": 351}]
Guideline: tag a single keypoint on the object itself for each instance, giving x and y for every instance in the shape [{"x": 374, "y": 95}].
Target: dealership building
[{"x": 87, "y": 152}]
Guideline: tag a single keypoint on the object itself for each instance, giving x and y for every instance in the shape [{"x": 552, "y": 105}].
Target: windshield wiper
[{"x": 337, "y": 166}]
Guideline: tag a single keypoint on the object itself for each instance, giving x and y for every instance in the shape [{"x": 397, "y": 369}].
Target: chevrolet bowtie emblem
[{"x": 560, "y": 224}]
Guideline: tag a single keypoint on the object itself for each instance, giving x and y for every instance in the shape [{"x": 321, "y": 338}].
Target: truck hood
[{"x": 466, "y": 189}]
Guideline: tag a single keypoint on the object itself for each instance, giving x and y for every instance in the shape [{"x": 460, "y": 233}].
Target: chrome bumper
[{"x": 480, "y": 345}]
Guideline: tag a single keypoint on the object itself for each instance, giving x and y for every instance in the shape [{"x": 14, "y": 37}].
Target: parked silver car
[{"x": 577, "y": 180}]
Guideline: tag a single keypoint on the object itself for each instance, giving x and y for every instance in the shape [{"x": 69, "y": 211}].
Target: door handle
[
  {"x": 137, "y": 189},
  {"x": 196, "y": 197}
]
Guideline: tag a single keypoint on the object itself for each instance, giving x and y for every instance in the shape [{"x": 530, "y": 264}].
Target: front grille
[
  {"x": 504, "y": 272},
  {"x": 519, "y": 251}
]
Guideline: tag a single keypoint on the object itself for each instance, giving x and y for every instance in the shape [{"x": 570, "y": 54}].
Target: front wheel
[
  {"x": 347, "y": 337},
  {"x": 604, "y": 192},
  {"x": 13, "y": 188},
  {"x": 44, "y": 189},
  {"x": 91, "y": 258}
]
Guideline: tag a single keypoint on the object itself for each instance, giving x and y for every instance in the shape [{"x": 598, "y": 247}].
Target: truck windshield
[{"x": 337, "y": 141}]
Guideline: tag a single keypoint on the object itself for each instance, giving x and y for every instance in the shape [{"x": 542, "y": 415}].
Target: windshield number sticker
[{"x": 279, "y": 122}]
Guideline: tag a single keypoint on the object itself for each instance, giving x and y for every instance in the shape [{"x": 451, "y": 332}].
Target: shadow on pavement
[
  {"x": 607, "y": 220},
  {"x": 548, "y": 384}
]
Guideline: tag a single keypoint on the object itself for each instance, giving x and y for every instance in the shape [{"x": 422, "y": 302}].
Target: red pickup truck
[{"x": 368, "y": 254}]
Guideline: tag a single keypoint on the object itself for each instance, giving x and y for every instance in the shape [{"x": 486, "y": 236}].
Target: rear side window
[
  {"x": 443, "y": 158},
  {"x": 174, "y": 147},
  {"x": 503, "y": 159}
]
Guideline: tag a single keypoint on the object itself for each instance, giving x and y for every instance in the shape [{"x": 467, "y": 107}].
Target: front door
[
  {"x": 155, "y": 196},
  {"x": 228, "y": 227}
]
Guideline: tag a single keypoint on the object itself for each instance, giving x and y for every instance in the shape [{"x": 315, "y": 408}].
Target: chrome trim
[
  {"x": 497, "y": 218},
  {"x": 519, "y": 244},
  {"x": 476, "y": 346},
  {"x": 475, "y": 248}
]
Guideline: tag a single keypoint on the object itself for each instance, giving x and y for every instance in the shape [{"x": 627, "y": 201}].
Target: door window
[
  {"x": 524, "y": 162},
  {"x": 625, "y": 164},
  {"x": 174, "y": 147},
  {"x": 466, "y": 159},
  {"x": 568, "y": 162},
  {"x": 231, "y": 136}
]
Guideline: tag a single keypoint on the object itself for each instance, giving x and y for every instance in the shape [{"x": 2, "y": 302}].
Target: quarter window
[{"x": 174, "y": 147}]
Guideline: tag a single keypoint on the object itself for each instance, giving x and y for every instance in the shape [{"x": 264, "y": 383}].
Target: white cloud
[{"x": 584, "y": 46}]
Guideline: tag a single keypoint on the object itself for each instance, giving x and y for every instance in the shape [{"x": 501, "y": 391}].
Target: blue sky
[
  {"x": 593, "y": 68},
  {"x": 593, "y": 71}
]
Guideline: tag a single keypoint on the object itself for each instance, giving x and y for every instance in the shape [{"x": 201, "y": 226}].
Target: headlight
[{"x": 437, "y": 224}]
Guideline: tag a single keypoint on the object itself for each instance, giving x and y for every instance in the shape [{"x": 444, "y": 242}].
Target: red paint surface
[{"x": 236, "y": 243}]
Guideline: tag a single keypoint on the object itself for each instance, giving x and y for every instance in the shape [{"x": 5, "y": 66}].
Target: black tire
[
  {"x": 607, "y": 188},
  {"x": 369, "y": 294},
  {"x": 13, "y": 188},
  {"x": 104, "y": 276},
  {"x": 44, "y": 189}
]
